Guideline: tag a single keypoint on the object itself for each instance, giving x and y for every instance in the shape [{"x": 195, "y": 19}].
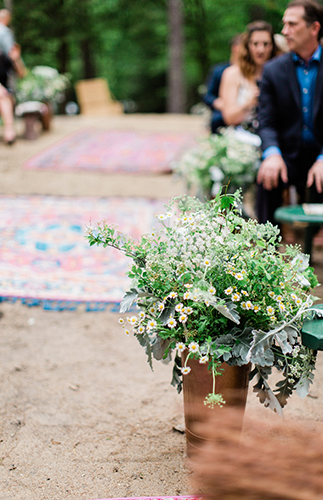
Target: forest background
[{"x": 155, "y": 54}]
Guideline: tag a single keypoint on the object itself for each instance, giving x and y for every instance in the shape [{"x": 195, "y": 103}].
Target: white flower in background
[
  {"x": 141, "y": 329},
  {"x": 132, "y": 320},
  {"x": 161, "y": 307},
  {"x": 127, "y": 332},
  {"x": 185, "y": 370},
  {"x": 187, "y": 310},
  {"x": 172, "y": 295},
  {"x": 179, "y": 307},
  {"x": 141, "y": 315},
  {"x": 121, "y": 321},
  {"x": 228, "y": 291},
  {"x": 212, "y": 290}
]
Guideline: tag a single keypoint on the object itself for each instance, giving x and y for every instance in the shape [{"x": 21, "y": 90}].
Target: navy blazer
[{"x": 280, "y": 112}]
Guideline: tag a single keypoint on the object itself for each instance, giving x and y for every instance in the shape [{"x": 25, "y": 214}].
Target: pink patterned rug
[
  {"x": 114, "y": 152},
  {"x": 46, "y": 259}
]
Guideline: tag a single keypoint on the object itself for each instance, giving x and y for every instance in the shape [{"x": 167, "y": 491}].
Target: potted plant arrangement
[
  {"x": 230, "y": 156},
  {"x": 216, "y": 289},
  {"x": 42, "y": 84}
]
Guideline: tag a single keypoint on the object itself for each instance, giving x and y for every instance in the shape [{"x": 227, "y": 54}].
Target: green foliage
[
  {"x": 217, "y": 286},
  {"x": 126, "y": 41}
]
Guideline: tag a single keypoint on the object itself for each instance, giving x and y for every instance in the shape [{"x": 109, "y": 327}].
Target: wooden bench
[{"x": 36, "y": 115}]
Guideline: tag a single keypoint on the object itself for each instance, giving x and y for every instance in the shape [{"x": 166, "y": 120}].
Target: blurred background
[{"x": 155, "y": 54}]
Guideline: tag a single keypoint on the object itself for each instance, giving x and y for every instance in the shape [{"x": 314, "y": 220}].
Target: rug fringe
[{"x": 64, "y": 305}]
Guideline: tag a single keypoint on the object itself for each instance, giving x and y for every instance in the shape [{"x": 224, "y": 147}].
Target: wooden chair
[{"x": 95, "y": 98}]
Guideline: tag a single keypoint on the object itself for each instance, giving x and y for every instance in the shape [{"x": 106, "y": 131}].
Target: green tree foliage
[{"x": 125, "y": 41}]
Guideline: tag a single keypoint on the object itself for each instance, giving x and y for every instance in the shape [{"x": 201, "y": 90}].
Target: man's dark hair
[{"x": 313, "y": 11}]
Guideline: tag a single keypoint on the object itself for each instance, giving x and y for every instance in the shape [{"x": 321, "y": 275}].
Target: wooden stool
[{"x": 34, "y": 113}]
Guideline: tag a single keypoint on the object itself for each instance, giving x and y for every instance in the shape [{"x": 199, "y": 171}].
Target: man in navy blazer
[{"x": 291, "y": 113}]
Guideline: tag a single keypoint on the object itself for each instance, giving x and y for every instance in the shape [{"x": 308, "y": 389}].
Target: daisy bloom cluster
[
  {"x": 219, "y": 288},
  {"x": 217, "y": 160}
]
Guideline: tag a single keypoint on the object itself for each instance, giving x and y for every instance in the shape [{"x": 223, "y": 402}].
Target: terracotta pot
[{"x": 232, "y": 384}]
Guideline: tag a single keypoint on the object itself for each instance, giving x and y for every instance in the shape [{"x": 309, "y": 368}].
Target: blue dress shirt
[{"x": 306, "y": 72}]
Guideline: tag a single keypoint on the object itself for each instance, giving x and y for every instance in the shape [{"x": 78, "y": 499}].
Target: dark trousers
[{"x": 268, "y": 201}]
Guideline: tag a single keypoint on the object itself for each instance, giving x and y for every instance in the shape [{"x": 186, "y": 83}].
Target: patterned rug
[
  {"x": 46, "y": 259},
  {"x": 114, "y": 152}
]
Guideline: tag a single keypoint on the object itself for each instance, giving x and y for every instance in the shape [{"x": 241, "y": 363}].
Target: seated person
[
  {"x": 211, "y": 97},
  {"x": 239, "y": 89}
]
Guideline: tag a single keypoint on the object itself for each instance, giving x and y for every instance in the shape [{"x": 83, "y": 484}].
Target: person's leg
[
  {"x": 267, "y": 202},
  {"x": 6, "y": 112}
]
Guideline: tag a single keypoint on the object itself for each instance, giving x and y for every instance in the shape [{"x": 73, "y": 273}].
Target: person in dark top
[
  {"x": 11, "y": 62},
  {"x": 211, "y": 97}
]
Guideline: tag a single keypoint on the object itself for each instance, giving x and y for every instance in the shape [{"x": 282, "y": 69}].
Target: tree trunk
[
  {"x": 88, "y": 59},
  {"x": 176, "y": 88}
]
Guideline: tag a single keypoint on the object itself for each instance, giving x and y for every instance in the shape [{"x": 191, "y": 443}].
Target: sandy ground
[{"x": 82, "y": 415}]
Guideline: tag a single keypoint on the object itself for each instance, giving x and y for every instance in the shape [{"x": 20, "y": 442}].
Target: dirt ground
[{"x": 82, "y": 415}]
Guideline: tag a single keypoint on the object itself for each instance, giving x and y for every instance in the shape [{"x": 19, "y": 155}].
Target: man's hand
[
  {"x": 315, "y": 174},
  {"x": 270, "y": 170}
]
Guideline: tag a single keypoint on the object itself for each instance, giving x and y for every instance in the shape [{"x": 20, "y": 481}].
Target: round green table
[{"x": 295, "y": 213}]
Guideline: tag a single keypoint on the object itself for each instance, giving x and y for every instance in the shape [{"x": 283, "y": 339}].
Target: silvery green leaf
[
  {"x": 228, "y": 312},
  {"x": 128, "y": 299},
  {"x": 302, "y": 386},
  {"x": 302, "y": 280},
  {"x": 260, "y": 344},
  {"x": 292, "y": 333},
  {"x": 144, "y": 341},
  {"x": 267, "y": 397},
  {"x": 158, "y": 347},
  {"x": 281, "y": 338},
  {"x": 177, "y": 379},
  {"x": 166, "y": 313}
]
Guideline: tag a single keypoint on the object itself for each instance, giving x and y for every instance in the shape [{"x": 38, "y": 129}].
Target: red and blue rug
[
  {"x": 46, "y": 260},
  {"x": 113, "y": 152}
]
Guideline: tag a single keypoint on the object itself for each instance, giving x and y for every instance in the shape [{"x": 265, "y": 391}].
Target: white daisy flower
[
  {"x": 270, "y": 310},
  {"x": 185, "y": 370},
  {"x": 203, "y": 359},
  {"x": 179, "y": 307},
  {"x": 235, "y": 297},
  {"x": 256, "y": 308},
  {"x": 127, "y": 332},
  {"x": 180, "y": 346},
  {"x": 171, "y": 323},
  {"x": 186, "y": 295},
  {"x": 212, "y": 290},
  {"x": 141, "y": 329},
  {"x": 281, "y": 306},
  {"x": 228, "y": 291},
  {"x": 141, "y": 315},
  {"x": 271, "y": 294},
  {"x": 161, "y": 307},
  {"x": 133, "y": 320},
  {"x": 182, "y": 318},
  {"x": 193, "y": 347},
  {"x": 121, "y": 321},
  {"x": 207, "y": 262},
  {"x": 151, "y": 324},
  {"x": 249, "y": 305},
  {"x": 172, "y": 295}
]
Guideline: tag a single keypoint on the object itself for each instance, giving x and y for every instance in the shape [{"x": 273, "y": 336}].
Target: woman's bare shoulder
[{"x": 232, "y": 71}]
